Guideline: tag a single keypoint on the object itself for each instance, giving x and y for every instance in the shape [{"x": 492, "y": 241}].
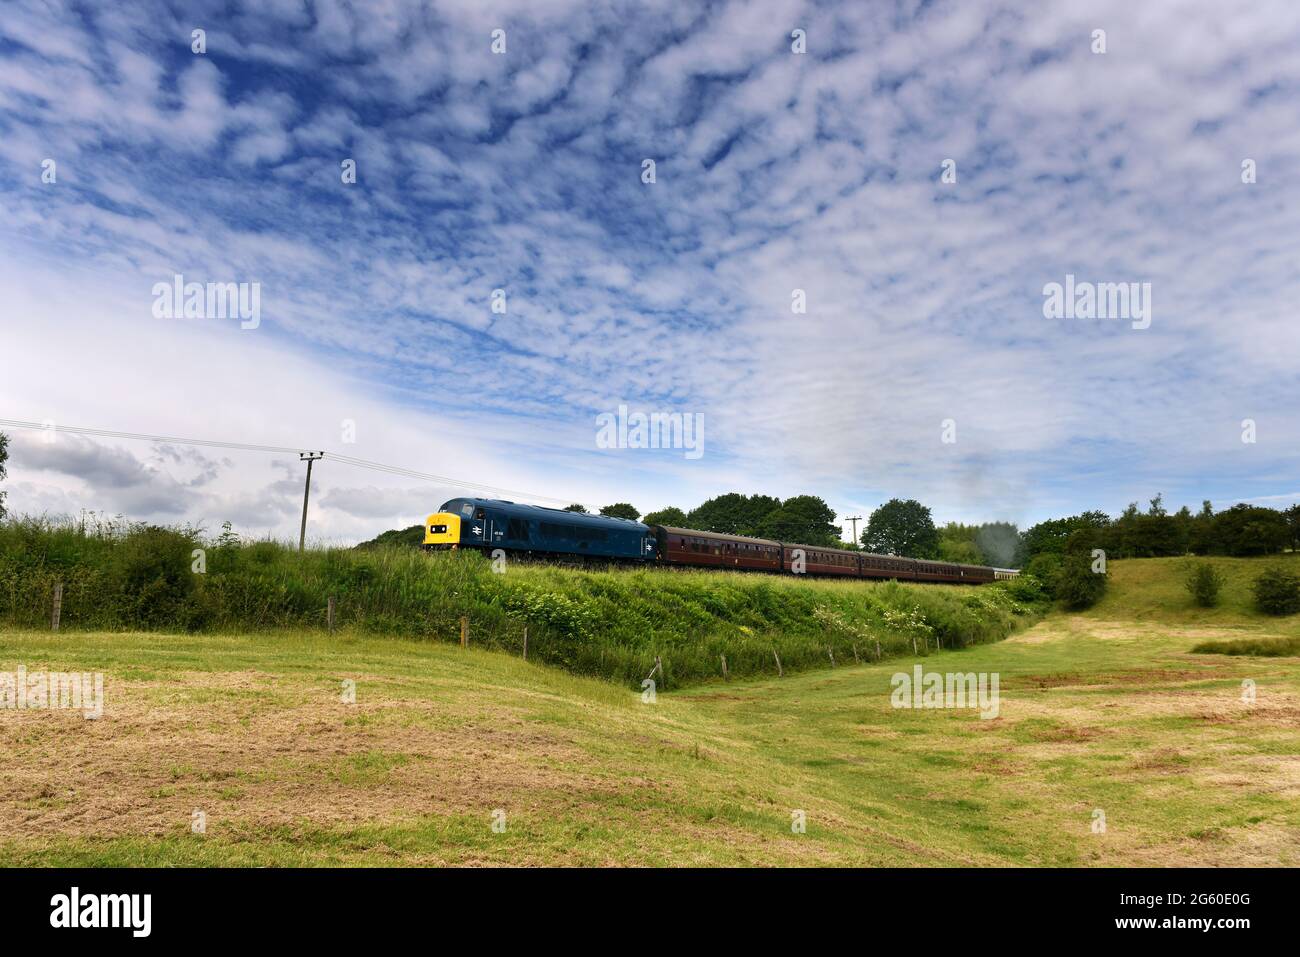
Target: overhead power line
[{"x": 284, "y": 450}]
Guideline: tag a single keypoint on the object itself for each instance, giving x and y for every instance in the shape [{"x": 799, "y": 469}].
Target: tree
[
  {"x": 4, "y": 457},
  {"x": 1201, "y": 537},
  {"x": 1183, "y": 526},
  {"x": 1277, "y": 592},
  {"x": 804, "y": 519},
  {"x": 621, "y": 510},
  {"x": 1052, "y": 535},
  {"x": 1292, "y": 520},
  {"x": 1076, "y": 584},
  {"x": 412, "y": 536},
  {"x": 957, "y": 544},
  {"x": 575, "y": 507},
  {"x": 1249, "y": 530},
  {"x": 1204, "y": 581},
  {"x": 733, "y": 514},
  {"x": 960, "y": 550},
  {"x": 902, "y": 528},
  {"x": 671, "y": 515}
]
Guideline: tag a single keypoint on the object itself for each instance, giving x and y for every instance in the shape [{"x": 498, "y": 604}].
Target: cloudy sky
[{"x": 774, "y": 171}]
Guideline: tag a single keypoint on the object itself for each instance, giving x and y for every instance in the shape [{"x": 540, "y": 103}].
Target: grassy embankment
[
  {"x": 1108, "y": 711},
  {"x": 610, "y": 624}
]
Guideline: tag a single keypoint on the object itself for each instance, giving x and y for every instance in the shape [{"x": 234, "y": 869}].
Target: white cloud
[{"x": 776, "y": 172}]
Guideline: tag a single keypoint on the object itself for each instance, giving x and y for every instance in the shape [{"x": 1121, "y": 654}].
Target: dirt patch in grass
[
  {"x": 1064, "y": 734},
  {"x": 1060, "y": 627},
  {"x": 1263, "y": 844},
  {"x": 1095, "y": 678},
  {"x": 1162, "y": 759}
]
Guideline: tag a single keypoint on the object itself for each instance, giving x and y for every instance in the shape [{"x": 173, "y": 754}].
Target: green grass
[
  {"x": 1153, "y": 589},
  {"x": 1263, "y": 647},
  {"x": 1097, "y": 713}
]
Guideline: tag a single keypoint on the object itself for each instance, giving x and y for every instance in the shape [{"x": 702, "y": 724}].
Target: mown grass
[
  {"x": 611, "y": 622},
  {"x": 250, "y": 730},
  {"x": 1098, "y": 713}
]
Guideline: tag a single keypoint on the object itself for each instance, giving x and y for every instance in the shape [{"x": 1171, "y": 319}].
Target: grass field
[{"x": 1106, "y": 711}]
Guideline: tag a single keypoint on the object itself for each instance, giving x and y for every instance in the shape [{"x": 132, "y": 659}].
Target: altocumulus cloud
[{"x": 775, "y": 172}]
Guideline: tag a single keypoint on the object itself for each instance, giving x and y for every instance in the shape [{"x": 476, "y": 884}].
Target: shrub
[
  {"x": 1044, "y": 567},
  {"x": 1204, "y": 582},
  {"x": 1026, "y": 588},
  {"x": 1277, "y": 592},
  {"x": 1077, "y": 585},
  {"x": 151, "y": 575}
]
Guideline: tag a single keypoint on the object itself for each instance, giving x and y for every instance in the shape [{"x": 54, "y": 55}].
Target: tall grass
[
  {"x": 611, "y": 623},
  {"x": 1269, "y": 647}
]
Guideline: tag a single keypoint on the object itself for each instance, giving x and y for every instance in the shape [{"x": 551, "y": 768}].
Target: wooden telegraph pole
[
  {"x": 854, "y": 519},
  {"x": 307, "y": 457}
]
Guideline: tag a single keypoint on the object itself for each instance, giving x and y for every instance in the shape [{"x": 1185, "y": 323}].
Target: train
[{"x": 548, "y": 533}]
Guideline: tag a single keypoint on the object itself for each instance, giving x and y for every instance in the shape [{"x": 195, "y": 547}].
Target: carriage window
[
  {"x": 467, "y": 510},
  {"x": 479, "y": 514}
]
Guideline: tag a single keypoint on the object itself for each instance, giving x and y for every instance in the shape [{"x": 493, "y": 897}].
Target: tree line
[
  {"x": 803, "y": 518},
  {"x": 1241, "y": 530},
  {"x": 907, "y": 527}
]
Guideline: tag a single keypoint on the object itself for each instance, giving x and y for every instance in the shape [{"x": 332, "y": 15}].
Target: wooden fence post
[
  {"x": 659, "y": 667},
  {"x": 831, "y": 651},
  {"x": 464, "y": 631},
  {"x": 877, "y": 649},
  {"x": 914, "y": 651},
  {"x": 329, "y": 613},
  {"x": 780, "y": 673},
  {"x": 856, "y": 659},
  {"x": 58, "y": 606},
  {"x": 725, "y": 675},
  {"x": 525, "y": 642}
]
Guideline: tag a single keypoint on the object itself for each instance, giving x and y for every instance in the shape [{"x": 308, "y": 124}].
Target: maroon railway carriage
[
  {"x": 887, "y": 566},
  {"x": 975, "y": 574},
  {"x": 821, "y": 561},
  {"x": 688, "y": 546}
]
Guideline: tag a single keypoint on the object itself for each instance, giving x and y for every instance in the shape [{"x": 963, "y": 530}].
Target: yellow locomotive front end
[{"x": 442, "y": 530}]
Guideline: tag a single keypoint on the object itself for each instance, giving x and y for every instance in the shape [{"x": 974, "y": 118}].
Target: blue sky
[{"x": 775, "y": 171}]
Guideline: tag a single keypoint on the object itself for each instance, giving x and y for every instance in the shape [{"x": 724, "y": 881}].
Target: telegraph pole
[
  {"x": 307, "y": 457},
  {"x": 851, "y": 518}
]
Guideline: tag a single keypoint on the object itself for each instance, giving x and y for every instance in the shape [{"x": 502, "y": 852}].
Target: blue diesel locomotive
[{"x": 491, "y": 523}]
